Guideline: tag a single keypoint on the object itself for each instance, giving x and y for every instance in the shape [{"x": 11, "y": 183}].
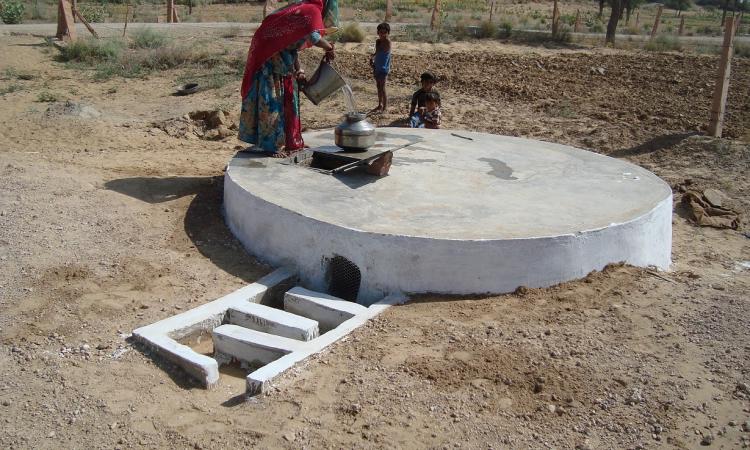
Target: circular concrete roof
[
  {"x": 459, "y": 213},
  {"x": 448, "y": 187}
]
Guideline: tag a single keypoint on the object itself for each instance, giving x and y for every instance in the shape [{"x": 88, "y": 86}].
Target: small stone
[
  {"x": 6, "y": 402},
  {"x": 51, "y": 434},
  {"x": 732, "y": 423},
  {"x": 707, "y": 439},
  {"x": 551, "y": 408},
  {"x": 743, "y": 387},
  {"x": 113, "y": 425},
  {"x": 746, "y": 426},
  {"x": 634, "y": 397},
  {"x": 290, "y": 437},
  {"x": 714, "y": 197}
]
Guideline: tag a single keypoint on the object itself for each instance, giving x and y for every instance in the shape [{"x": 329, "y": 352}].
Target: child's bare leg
[
  {"x": 385, "y": 96},
  {"x": 381, "y": 94}
]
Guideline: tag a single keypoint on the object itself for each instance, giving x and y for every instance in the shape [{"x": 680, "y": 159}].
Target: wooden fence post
[
  {"x": 682, "y": 26},
  {"x": 719, "y": 102},
  {"x": 388, "y": 10},
  {"x": 170, "y": 7},
  {"x": 656, "y": 22},
  {"x": 555, "y": 19},
  {"x": 66, "y": 28},
  {"x": 435, "y": 15},
  {"x": 492, "y": 9},
  {"x": 127, "y": 13},
  {"x": 637, "y": 19},
  {"x": 577, "y": 26}
]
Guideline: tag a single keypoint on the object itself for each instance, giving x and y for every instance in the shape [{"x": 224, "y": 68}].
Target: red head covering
[{"x": 280, "y": 30}]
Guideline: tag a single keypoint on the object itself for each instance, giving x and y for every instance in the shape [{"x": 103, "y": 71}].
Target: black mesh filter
[{"x": 344, "y": 278}]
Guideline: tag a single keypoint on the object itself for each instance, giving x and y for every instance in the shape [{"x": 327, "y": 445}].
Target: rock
[
  {"x": 216, "y": 118},
  {"x": 597, "y": 71},
  {"x": 714, "y": 196},
  {"x": 743, "y": 387},
  {"x": 634, "y": 397},
  {"x": 551, "y": 408},
  {"x": 51, "y": 434},
  {"x": 6, "y": 402},
  {"x": 290, "y": 437},
  {"x": 707, "y": 439},
  {"x": 746, "y": 426},
  {"x": 224, "y": 132}
]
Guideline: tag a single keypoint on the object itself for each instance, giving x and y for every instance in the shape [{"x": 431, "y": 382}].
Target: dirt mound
[
  {"x": 72, "y": 109},
  {"x": 211, "y": 125}
]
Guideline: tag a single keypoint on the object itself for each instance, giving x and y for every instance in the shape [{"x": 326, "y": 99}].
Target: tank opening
[{"x": 344, "y": 278}]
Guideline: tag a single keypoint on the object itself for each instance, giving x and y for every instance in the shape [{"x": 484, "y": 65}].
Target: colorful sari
[{"x": 270, "y": 94}]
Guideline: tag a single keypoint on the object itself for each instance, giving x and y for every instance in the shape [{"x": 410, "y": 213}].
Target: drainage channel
[{"x": 264, "y": 328}]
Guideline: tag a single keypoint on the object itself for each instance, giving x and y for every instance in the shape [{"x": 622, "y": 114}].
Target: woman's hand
[
  {"x": 301, "y": 77},
  {"x": 328, "y": 47},
  {"x": 330, "y": 54}
]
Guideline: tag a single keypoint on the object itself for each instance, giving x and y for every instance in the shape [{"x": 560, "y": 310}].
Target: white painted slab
[
  {"x": 327, "y": 310},
  {"x": 250, "y": 346},
  {"x": 274, "y": 321}
]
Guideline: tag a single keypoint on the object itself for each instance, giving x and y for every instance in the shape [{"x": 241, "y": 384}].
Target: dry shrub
[{"x": 352, "y": 33}]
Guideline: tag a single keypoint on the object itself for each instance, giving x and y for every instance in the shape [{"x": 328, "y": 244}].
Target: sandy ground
[{"x": 108, "y": 223}]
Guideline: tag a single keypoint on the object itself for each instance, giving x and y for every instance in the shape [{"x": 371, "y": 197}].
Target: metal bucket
[{"x": 324, "y": 82}]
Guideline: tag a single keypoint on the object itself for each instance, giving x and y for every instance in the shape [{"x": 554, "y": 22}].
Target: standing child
[
  {"x": 381, "y": 64},
  {"x": 419, "y": 100}
]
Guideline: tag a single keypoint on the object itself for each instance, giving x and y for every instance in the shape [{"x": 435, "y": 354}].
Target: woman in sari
[{"x": 270, "y": 88}]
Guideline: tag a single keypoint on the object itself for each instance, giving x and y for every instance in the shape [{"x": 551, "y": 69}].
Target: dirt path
[{"x": 108, "y": 223}]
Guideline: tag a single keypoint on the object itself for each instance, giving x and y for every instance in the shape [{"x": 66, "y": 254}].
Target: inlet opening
[{"x": 344, "y": 278}]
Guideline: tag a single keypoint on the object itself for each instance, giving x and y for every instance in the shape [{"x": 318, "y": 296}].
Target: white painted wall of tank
[{"x": 391, "y": 264}]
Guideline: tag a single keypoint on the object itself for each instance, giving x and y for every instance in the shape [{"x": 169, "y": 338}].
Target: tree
[
  {"x": 630, "y": 5},
  {"x": 614, "y": 17},
  {"x": 678, "y": 5}
]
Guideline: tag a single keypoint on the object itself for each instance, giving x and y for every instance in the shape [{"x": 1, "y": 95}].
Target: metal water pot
[
  {"x": 355, "y": 132},
  {"x": 324, "y": 82}
]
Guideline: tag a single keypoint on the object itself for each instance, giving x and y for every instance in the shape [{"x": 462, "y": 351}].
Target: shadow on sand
[
  {"x": 204, "y": 222},
  {"x": 652, "y": 145}
]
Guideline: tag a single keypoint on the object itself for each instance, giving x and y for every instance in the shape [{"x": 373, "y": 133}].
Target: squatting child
[{"x": 418, "y": 107}]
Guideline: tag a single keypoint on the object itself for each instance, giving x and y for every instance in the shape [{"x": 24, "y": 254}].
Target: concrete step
[
  {"x": 327, "y": 310},
  {"x": 250, "y": 346},
  {"x": 274, "y": 321}
]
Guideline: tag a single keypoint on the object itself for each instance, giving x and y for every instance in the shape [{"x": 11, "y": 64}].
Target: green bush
[
  {"x": 563, "y": 34},
  {"x": 663, "y": 43},
  {"x": 595, "y": 26},
  {"x": 352, "y": 33},
  {"x": 487, "y": 30},
  {"x": 148, "y": 38},
  {"x": 93, "y": 13},
  {"x": 10, "y": 89},
  {"x": 92, "y": 51},
  {"x": 11, "y": 11},
  {"x": 47, "y": 97},
  {"x": 505, "y": 29}
]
